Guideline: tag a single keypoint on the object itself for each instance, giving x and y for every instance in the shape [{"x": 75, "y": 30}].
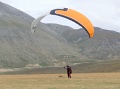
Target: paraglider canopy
[{"x": 70, "y": 14}]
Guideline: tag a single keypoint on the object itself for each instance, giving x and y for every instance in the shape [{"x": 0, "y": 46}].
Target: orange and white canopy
[{"x": 70, "y": 14}]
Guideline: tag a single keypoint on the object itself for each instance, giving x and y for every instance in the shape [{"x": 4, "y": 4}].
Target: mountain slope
[
  {"x": 20, "y": 48},
  {"x": 104, "y": 45},
  {"x": 51, "y": 44}
]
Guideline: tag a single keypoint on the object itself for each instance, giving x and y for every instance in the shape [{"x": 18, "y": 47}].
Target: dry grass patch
[{"x": 54, "y": 81}]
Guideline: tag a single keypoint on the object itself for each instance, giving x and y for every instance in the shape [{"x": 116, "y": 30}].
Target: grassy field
[{"x": 60, "y": 81}]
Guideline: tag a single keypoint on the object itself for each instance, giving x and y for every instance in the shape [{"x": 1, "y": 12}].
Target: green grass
[{"x": 54, "y": 81}]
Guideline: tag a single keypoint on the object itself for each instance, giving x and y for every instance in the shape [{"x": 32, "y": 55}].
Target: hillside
[
  {"x": 51, "y": 44},
  {"x": 20, "y": 48},
  {"x": 105, "y": 44}
]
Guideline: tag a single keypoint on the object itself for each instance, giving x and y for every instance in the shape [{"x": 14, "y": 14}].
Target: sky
[{"x": 102, "y": 13}]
